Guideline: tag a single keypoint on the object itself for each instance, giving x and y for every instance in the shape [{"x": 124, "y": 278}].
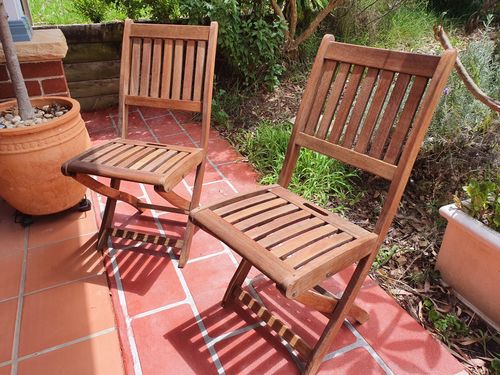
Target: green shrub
[
  {"x": 316, "y": 177},
  {"x": 459, "y": 113},
  {"x": 484, "y": 201},
  {"x": 250, "y": 37},
  {"x": 95, "y": 10}
]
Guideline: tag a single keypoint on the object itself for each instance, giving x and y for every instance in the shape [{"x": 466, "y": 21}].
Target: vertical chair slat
[
  {"x": 407, "y": 116},
  {"x": 346, "y": 103},
  {"x": 359, "y": 108},
  {"x": 332, "y": 101},
  {"x": 145, "y": 67},
  {"x": 177, "y": 74},
  {"x": 156, "y": 68},
  {"x": 187, "y": 85},
  {"x": 166, "y": 74},
  {"x": 135, "y": 66},
  {"x": 198, "y": 75},
  {"x": 324, "y": 86},
  {"x": 390, "y": 113},
  {"x": 383, "y": 86}
]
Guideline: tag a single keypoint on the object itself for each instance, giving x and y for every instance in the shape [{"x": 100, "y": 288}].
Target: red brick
[
  {"x": 42, "y": 69},
  {"x": 34, "y": 88},
  {"x": 54, "y": 85},
  {"x": 6, "y": 90},
  {"x": 4, "y": 76}
]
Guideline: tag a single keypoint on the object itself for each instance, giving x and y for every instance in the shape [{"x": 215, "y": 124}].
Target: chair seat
[
  {"x": 138, "y": 161},
  {"x": 292, "y": 241}
]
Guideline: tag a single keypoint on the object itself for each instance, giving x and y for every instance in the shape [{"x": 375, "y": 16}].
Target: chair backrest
[
  {"x": 168, "y": 66},
  {"x": 369, "y": 108}
]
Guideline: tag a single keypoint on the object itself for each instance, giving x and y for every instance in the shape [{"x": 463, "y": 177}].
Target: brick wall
[{"x": 44, "y": 78}]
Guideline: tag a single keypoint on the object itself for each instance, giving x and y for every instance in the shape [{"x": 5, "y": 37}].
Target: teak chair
[
  {"x": 366, "y": 107},
  {"x": 162, "y": 66}
]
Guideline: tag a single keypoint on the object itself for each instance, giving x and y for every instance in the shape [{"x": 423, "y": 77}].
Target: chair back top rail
[
  {"x": 369, "y": 108},
  {"x": 168, "y": 66}
]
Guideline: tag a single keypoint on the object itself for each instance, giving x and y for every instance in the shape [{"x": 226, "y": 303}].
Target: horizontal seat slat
[
  {"x": 288, "y": 232},
  {"x": 255, "y": 210},
  {"x": 296, "y": 243},
  {"x": 301, "y": 257},
  {"x": 265, "y": 217},
  {"x": 244, "y": 203},
  {"x": 277, "y": 224}
]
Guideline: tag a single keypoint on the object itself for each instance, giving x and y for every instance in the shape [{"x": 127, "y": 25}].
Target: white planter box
[{"x": 469, "y": 261}]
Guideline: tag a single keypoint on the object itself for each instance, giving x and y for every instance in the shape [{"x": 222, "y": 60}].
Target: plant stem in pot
[{"x": 25, "y": 109}]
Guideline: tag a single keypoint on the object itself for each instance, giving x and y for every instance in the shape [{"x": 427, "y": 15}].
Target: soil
[{"x": 408, "y": 273}]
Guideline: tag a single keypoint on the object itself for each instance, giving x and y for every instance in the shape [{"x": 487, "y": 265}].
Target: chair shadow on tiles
[{"x": 244, "y": 346}]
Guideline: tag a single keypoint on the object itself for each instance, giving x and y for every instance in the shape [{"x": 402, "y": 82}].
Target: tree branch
[
  {"x": 279, "y": 13},
  {"x": 293, "y": 19},
  {"x": 314, "y": 24},
  {"x": 494, "y": 104}
]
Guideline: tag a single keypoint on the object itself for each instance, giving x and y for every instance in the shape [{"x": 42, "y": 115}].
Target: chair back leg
[{"x": 107, "y": 218}]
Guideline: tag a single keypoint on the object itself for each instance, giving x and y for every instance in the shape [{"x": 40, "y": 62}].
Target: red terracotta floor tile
[
  {"x": 63, "y": 226},
  {"x": 148, "y": 279},
  {"x": 255, "y": 352},
  {"x": 99, "y": 355},
  {"x": 63, "y": 262},
  {"x": 401, "y": 342},
  {"x": 204, "y": 244},
  {"x": 12, "y": 233},
  {"x": 104, "y": 135},
  {"x": 212, "y": 192},
  {"x": 242, "y": 176},
  {"x": 356, "y": 361},
  {"x": 170, "y": 342},
  {"x": 207, "y": 281},
  {"x": 182, "y": 116},
  {"x": 65, "y": 313},
  {"x": 307, "y": 323},
  {"x": 5, "y": 370},
  {"x": 140, "y": 134},
  {"x": 211, "y": 175},
  {"x": 97, "y": 121},
  {"x": 148, "y": 112},
  {"x": 164, "y": 125},
  {"x": 11, "y": 262},
  {"x": 221, "y": 152},
  {"x": 194, "y": 130},
  {"x": 8, "y": 311}
]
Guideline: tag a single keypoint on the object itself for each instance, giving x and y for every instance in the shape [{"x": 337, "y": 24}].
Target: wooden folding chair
[
  {"x": 162, "y": 66},
  {"x": 366, "y": 107}
]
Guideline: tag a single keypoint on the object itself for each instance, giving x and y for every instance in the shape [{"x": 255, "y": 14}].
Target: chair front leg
[
  {"x": 340, "y": 312},
  {"x": 190, "y": 226},
  {"x": 107, "y": 218},
  {"x": 236, "y": 281}
]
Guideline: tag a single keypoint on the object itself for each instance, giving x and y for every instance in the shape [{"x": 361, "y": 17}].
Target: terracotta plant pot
[
  {"x": 30, "y": 160},
  {"x": 469, "y": 261}
]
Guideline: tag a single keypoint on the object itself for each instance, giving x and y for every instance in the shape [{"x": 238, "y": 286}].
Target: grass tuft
[{"x": 316, "y": 177}]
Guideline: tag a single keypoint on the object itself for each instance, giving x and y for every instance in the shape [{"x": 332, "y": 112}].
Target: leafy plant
[
  {"x": 459, "y": 114},
  {"x": 250, "y": 37},
  {"x": 447, "y": 325},
  {"x": 384, "y": 255},
  {"x": 95, "y": 10},
  {"x": 316, "y": 177},
  {"x": 484, "y": 201}
]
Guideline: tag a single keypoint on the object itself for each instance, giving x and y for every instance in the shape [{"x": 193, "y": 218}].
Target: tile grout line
[
  {"x": 38, "y": 247},
  {"x": 122, "y": 300},
  {"x": 189, "y": 297},
  {"x": 20, "y": 303},
  {"x": 369, "y": 348},
  {"x": 61, "y": 284},
  {"x": 68, "y": 343}
]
